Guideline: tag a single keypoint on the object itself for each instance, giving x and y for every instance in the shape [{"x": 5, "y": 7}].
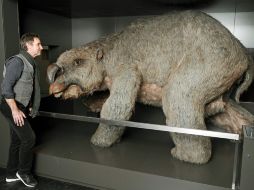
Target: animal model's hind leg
[
  {"x": 184, "y": 111},
  {"x": 189, "y": 89}
]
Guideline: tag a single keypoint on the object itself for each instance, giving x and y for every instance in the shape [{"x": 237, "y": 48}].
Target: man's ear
[
  {"x": 99, "y": 54},
  {"x": 28, "y": 45}
]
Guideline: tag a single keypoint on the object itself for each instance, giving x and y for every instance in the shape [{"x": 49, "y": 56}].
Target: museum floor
[{"x": 44, "y": 184}]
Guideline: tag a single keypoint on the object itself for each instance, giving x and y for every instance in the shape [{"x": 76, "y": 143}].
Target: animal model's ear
[{"x": 99, "y": 54}]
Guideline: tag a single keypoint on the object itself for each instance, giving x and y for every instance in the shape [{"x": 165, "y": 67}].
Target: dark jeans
[{"x": 22, "y": 141}]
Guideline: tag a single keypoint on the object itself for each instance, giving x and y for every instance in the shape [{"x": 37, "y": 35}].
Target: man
[{"x": 20, "y": 99}]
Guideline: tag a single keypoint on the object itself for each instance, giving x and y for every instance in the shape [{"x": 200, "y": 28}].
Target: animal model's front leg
[{"x": 118, "y": 106}]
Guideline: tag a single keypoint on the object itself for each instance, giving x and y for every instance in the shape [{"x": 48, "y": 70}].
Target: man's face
[{"x": 34, "y": 47}]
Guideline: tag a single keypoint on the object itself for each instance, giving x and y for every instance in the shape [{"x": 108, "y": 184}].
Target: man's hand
[
  {"x": 17, "y": 114},
  {"x": 18, "y": 117},
  {"x": 33, "y": 113}
]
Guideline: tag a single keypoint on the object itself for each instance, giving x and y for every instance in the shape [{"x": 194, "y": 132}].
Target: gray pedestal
[{"x": 141, "y": 160}]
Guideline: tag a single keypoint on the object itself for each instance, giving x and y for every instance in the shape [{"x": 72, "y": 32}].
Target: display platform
[{"x": 141, "y": 160}]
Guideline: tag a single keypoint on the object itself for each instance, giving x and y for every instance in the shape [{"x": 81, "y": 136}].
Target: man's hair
[{"x": 26, "y": 38}]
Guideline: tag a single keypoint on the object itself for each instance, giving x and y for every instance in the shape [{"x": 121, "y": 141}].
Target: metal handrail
[
  {"x": 198, "y": 132},
  {"x": 132, "y": 124}
]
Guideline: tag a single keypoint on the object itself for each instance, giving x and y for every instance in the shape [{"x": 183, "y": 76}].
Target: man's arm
[{"x": 14, "y": 69}]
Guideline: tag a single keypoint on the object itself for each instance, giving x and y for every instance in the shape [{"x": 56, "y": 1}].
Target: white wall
[
  {"x": 241, "y": 24},
  {"x": 84, "y": 30},
  {"x": 244, "y": 29},
  {"x": 88, "y": 29}
]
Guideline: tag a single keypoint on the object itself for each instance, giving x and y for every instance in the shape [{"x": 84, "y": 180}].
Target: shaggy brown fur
[{"x": 186, "y": 62}]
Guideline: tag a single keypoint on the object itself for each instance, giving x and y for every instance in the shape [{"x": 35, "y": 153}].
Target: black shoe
[
  {"x": 11, "y": 178},
  {"x": 28, "y": 180}
]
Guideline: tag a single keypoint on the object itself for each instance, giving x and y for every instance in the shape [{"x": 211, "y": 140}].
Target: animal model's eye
[
  {"x": 79, "y": 61},
  {"x": 59, "y": 72}
]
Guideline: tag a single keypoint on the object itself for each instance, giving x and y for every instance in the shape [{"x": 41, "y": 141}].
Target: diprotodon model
[{"x": 184, "y": 61}]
